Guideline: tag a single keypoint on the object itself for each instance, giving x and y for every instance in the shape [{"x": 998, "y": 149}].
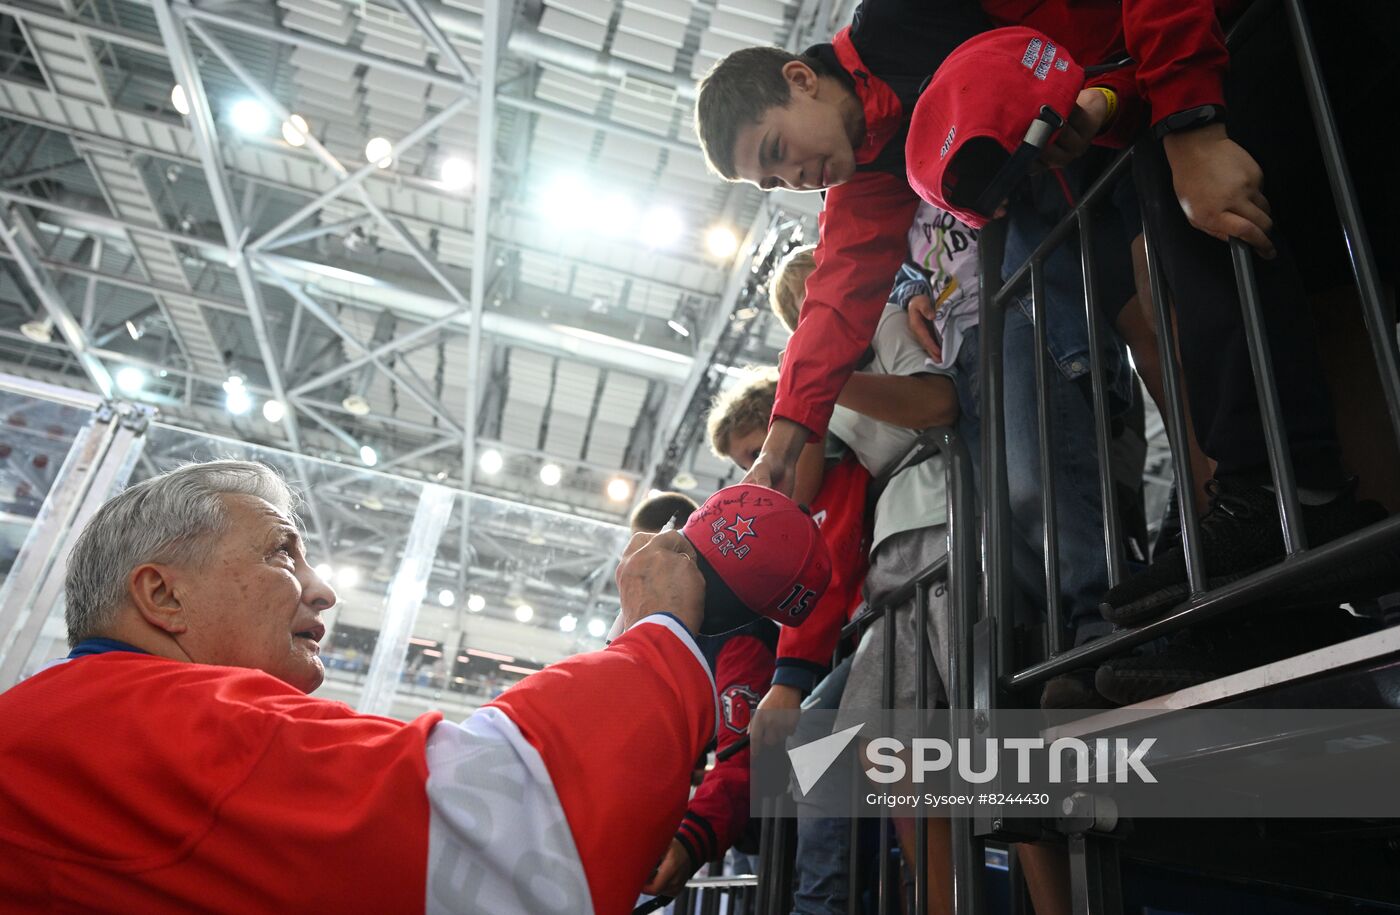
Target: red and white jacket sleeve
[
  {"x": 804, "y": 652},
  {"x": 563, "y": 794},
  {"x": 719, "y": 810},
  {"x": 863, "y": 241}
]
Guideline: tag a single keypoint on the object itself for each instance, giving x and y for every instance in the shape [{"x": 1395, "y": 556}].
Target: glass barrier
[
  {"x": 532, "y": 586},
  {"x": 36, "y": 436}
]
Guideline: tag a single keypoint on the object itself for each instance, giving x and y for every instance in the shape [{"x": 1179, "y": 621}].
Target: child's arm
[
  {"x": 811, "y": 469},
  {"x": 911, "y": 401}
]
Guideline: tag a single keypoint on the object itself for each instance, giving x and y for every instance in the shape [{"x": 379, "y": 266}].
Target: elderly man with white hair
[{"x": 173, "y": 761}]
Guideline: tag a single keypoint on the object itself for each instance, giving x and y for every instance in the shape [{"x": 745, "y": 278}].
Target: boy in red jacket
[{"x": 833, "y": 486}]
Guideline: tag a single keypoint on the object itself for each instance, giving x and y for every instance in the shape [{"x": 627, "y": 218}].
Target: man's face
[
  {"x": 744, "y": 449},
  {"x": 802, "y": 146},
  {"x": 256, "y": 602}
]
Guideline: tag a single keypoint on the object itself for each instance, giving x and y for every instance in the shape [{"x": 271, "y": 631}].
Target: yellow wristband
[{"x": 1111, "y": 98}]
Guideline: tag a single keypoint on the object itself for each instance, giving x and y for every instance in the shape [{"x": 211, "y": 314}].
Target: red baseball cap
[
  {"x": 984, "y": 118},
  {"x": 765, "y": 548}
]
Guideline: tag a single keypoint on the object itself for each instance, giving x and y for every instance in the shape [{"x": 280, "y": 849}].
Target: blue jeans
[
  {"x": 822, "y": 878},
  {"x": 1078, "y": 504}
]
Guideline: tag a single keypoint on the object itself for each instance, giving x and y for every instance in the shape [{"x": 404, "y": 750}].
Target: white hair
[{"x": 171, "y": 518}]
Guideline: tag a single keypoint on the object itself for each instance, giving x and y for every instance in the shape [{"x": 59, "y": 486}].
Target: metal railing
[{"x": 985, "y": 673}]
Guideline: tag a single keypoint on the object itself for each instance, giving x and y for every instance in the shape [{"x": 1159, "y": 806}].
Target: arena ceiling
[{"x": 538, "y": 236}]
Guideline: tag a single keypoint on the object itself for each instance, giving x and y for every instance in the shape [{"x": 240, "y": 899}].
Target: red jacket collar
[{"x": 883, "y": 112}]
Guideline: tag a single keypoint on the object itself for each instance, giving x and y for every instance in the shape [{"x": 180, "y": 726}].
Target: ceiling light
[
  {"x": 550, "y": 474},
  {"x": 180, "y": 100},
  {"x": 135, "y": 331},
  {"x": 524, "y": 613},
  {"x": 568, "y": 623},
  {"x": 566, "y": 201},
  {"x": 661, "y": 227},
  {"x": 678, "y": 327},
  {"x": 348, "y": 577},
  {"x": 446, "y": 597},
  {"x": 356, "y": 405},
  {"x": 368, "y": 456},
  {"x": 597, "y": 627},
  {"x": 476, "y": 603},
  {"x": 456, "y": 173},
  {"x": 295, "y": 130},
  {"x": 236, "y": 398},
  {"x": 616, "y": 215},
  {"x": 721, "y": 242},
  {"x": 653, "y": 493},
  {"x": 274, "y": 410},
  {"x": 130, "y": 380},
  {"x": 38, "y": 331},
  {"x": 491, "y": 461},
  {"x": 684, "y": 480},
  {"x": 619, "y": 490},
  {"x": 380, "y": 151},
  {"x": 249, "y": 116},
  {"x": 325, "y": 571}
]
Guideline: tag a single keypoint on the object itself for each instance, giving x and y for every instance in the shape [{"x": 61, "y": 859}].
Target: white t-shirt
[
  {"x": 918, "y": 496},
  {"x": 946, "y": 251}
]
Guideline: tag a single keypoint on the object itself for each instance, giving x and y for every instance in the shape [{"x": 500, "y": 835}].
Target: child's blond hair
[
  {"x": 741, "y": 409},
  {"x": 788, "y": 287}
]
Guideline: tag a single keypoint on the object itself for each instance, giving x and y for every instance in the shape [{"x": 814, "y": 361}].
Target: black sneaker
[
  {"x": 1214, "y": 650},
  {"x": 1073, "y": 690},
  {"x": 1240, "y": 535}
]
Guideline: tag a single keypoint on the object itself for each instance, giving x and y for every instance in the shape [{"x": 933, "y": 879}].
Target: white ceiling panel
[
  {"x": 679, "y": 10},
  {"x": 599, "y": 11},
  {"x": 645, "y": 51},
  {"x": 573, "y": 28},
  {"x": 396, "y": 50},
  {"x": 743, "y": 28},
  {"x": 574, "y": 387},
  {"x": 648, "y": 25},
  {"x": 770, "y": 11},
  {"x": 338, "y": 32}
]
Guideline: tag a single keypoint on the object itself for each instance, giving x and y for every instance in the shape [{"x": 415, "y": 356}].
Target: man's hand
[
  {"x": 1218, "y": 185},
  {"x": 672, "y": 873},
  {"x": 776, "y": 466},
  {"x": 920, "y": 318},
  {"x": 658, "y": 574},
  {"x": 773, "y": 729},
  {"x": 1084, "y": 124}
]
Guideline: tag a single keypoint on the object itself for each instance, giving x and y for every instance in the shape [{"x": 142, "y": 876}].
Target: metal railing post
[
  {"x": 1175, "y": 418},
  {"x": 1054, "y": 622},
  {"x": 1270, "y": 413},
  {"x": 1112, "y": 533},
  {"x": 1379, "y": 325}
]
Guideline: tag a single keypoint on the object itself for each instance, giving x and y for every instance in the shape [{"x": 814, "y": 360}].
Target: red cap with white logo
[
  {"x": 765, "y": 548},
  {"x": 985, "y": 117}
]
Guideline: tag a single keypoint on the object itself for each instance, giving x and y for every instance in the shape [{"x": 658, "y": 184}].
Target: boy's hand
[
  {"x": 672, "y": 873},
  {"x": 658, "y": 574},
  {"x": 1084, "y": 124},
  {"x": 920, "y": 318},
  {"x": 776, "y": 466},
  {"x": 1218, "y": 185},
  {"x": 781, "y": 704}
]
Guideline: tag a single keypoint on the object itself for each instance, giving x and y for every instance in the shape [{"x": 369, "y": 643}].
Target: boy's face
[
  {"x": 802, "y": 146},
  {"x": 744, "y": 449}
]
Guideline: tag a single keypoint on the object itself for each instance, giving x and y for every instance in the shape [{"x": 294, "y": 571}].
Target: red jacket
[
  {"x": 1181, "y": 63},
  {"x": 804, "y": 652},
  {"x": 719, "y": 810}
]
